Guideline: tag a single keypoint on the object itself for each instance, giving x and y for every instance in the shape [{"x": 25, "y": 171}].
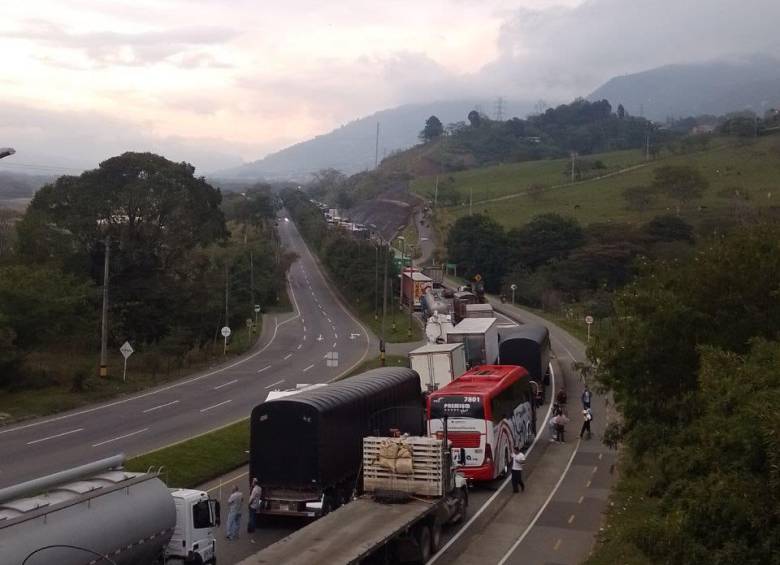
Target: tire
[
  {"x": 463, "y": 503},
  {"x": 435, "y": 536},
  {"x": 327, "y": 505},
  {"x": 506, "y": 469},
  {"x": 424, "y": 543}
]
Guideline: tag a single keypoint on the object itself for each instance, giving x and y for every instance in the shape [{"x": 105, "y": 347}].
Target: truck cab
[{"x": 193, "y": 539}]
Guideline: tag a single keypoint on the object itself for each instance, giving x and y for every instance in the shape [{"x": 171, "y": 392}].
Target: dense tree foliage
[
  {"x": 433, "y": 129},
  {"x": 478, "y": 245},
  {"x": 690, "y": 360}
]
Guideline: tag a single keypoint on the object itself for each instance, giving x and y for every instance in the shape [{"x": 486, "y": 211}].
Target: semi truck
[
  {"x": 99, "y": 510},
  {"x": 414, "y": 284},
  {"x": 438, "y": 363},
  {"x": 412, "y": 490},
  {"x": 435, "y": 300},
  {"x": 527, "y": 346},
  {"x": 305, "y": 449}
]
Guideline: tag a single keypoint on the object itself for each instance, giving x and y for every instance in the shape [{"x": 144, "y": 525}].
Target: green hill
[{"x": 743, "y": 179}]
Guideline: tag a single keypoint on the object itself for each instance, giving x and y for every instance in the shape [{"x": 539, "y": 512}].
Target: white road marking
[
  {"x": 333, "y": 327},
  {"x": 300, "y": 345},
  {"x": 215, "y": 406},
  {"x": 309, "y": 367},
  {"x": 304, "y": 329},
  {"x": 160, "y": 406},
  {"x": 336, "y": 336},
  {"x": 55, "y": 436},
  {"x": 330, "y": 321},
  {"x": 274, "y": 384},
  {"x": 119, "y": 437},
  {"x": 571, "y": 518},
  {"x": 304, "y": 337},
  {"x": 234, "y": 381},
  {"x": 264, "y": 369},
  {"x": 334, "y": 345},
  {"x": 286, "y": 357}
]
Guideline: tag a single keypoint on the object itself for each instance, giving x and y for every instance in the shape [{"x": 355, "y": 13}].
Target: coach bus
[{"x": 489, "y": 410}]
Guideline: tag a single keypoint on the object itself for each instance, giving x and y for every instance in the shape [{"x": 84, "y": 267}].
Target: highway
[{"x": 291, "y": 350}]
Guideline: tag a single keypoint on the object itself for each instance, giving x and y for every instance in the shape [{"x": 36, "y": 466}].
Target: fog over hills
[{"x": 716, "y": 87}]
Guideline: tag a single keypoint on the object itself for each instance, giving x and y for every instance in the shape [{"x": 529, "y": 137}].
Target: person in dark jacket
[
  {"x": 587, "y": 417},
  {"x": 587, "y": 395}
]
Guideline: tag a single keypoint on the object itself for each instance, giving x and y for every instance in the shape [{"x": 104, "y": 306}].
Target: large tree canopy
[{"x": 478, "y": 245}]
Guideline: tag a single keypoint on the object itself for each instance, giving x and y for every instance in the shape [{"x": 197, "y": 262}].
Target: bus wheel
[{"x": 506, "y": 469}]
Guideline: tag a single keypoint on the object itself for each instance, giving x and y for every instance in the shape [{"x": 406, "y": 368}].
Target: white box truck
[
  {"x": 479, "y": 337},
  {"x": 438, "y": 363}
]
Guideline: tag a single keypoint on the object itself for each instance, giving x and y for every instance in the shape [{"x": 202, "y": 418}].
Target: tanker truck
[{"x": 100, "y": 513}]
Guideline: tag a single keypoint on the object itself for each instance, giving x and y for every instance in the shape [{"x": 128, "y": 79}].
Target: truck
[
  {"x": 411, "y": 491},
  {"x": 479, "y": 337},
  {"x": 436, "y": 274},
  {"x": 305, "y": 449},
  {"x": 414, "y": 284},
  {"x": 527, "y": 346},
  {"x": 438, "y": 363},
  {"x": 479, "y": 311},
  {"x": 461, "y": 299},
  {"x": 435, "y": 300},
  {"x": 76, "y": 516}
]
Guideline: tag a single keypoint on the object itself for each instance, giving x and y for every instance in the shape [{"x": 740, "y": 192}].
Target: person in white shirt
[
  {"x": 517, "y": 470},
  {"x": 254, "y": 504},
  {"x": 235, "y": 502}
]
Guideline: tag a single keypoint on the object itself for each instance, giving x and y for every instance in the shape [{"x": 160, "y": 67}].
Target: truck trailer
[
  {"x": 479, "y": 337},
  {"x": 398, "y": 519},
  {"x": 414, "y": 284},
  {"x": 528, "y": 346},
  {"x": 438, "y": 363},
  {"x": 77, "y": 516},
  {"x": 305, "y": 449}
]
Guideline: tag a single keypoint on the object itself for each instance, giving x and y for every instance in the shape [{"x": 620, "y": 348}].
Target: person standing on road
[
  {"x": 235, "y": 502},
  {"x": 587, "y": 416},
  {"x": 561, "y": 398},
  {"x": 560, "y": 426},
  {"x": 254, "y": 505},
  {"x": 518, "y": 459},
  {"x": 586, "y": 398}
]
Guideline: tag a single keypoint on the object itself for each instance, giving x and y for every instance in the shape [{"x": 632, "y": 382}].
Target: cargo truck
[
  {"x": 414, "y": 284},
  {"x": 398, "y": 519},
  {"x": 438, "y": 363},
  {"x": 527, "y": 346},
  {"x": 77, "y": 516},
  {"x": 479, "y": 337},
  {"x": 305, "y": 449}
]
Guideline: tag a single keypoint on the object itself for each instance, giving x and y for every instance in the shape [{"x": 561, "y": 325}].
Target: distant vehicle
[
  {"x": 489, "y": 411},
  {"x": 6, "y": 151},
  {"x": 438, "y": 364},
  {"x": 434, "y": 300},
  {"x": 305, "y": 448},
  {"x": 479, "y": 337},
  {"x": 412, "y": 491},
  {"x": 461, "y": 299},
  {"x": 286, "y": 219},
  {"x": 131, "y": 517},
  {"x": 479, "y": 311},
  {"x": 527, "y": 346},
  {"x": 414, "y": 284}
]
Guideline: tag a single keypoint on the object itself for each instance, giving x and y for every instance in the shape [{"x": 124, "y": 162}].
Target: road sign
[
  {"x": 589, "y": 320},
  {"x": 478, "y": 278},
  {"x": 249, "y": 322},
  {"x": 126, "y": 349},
  {"x": 225, "y": 332},
  {"x": 513, "y": 286},
  {"x": 257, "y": 308}
]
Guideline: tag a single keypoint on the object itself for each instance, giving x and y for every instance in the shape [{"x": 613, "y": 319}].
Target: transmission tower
[{"x": 499, "y": 109}]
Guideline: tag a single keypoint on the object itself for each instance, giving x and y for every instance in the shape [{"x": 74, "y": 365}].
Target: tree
[
  {"x": 639, "y": 198},
  {"x": 477, "y": 244},
  {"x": 433, "y": 129},
  {"x": 681, "y": 182},
  {"x": 545, "y": 238},
  {"x": 474, "y": 119},
  {"x": 621, "y": 112}
]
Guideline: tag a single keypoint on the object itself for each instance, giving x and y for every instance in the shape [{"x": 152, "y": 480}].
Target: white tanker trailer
[{"x": 99, "y": 513}]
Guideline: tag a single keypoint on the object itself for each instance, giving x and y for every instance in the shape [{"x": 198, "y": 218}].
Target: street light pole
[
  {"x": 104, "y": 316},
  {"x": 376, "y": 282}
]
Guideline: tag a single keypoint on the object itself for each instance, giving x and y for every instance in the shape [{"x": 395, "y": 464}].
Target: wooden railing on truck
[{"x": 428, "y": 476}]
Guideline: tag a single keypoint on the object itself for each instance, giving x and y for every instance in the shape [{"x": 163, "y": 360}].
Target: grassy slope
[{"x": 754, "y": 168}]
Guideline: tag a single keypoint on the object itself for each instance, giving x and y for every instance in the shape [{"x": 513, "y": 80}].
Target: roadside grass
[
  {"x": 751, "y": 168},
  {"x": 390, "y": 361},
  {"x": 394, "y": 317},
  {"x": 200, "y": 459},
  {"x": 56, "y": 372}
]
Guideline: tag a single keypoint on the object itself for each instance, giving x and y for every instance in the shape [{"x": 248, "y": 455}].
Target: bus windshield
[{"x": 457, "y": 406}]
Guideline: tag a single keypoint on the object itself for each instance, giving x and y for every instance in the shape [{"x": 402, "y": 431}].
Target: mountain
[
  {"x": 351, "y": 147},
  {"x": 716, "y": 87}
]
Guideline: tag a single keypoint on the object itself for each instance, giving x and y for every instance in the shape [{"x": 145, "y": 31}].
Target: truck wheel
[
  {"x": 327, "y": 505},
  {"x": 424, "y": 543},
  {"x": 462, "y": 504},
  {"x": 435, "y": 536}
]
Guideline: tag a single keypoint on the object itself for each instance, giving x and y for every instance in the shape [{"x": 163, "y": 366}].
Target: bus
[{"x": 489, "y": 410}]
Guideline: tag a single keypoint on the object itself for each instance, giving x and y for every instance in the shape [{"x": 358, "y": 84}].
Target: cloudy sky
[{"x": 216, "y": 81}]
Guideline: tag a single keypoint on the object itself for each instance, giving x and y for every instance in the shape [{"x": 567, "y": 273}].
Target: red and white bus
[{"x": 489, "y": 410}]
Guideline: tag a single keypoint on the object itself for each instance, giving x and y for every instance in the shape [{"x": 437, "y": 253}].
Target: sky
[{"x": 215, "y": 82}]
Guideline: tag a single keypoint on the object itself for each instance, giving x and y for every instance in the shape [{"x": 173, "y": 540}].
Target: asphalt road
[{"x": 292, "y": 350}]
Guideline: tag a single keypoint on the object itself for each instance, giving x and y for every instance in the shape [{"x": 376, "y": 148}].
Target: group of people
[
  {"x": 235, "y": 504},
  {"x": 560, "y": 417}
]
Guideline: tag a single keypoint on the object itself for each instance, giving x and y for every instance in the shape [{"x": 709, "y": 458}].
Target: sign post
[
  {"x": 127, "y": 351},
  {"x": 248, "y": 331},
  {"x": 588, "y": 321},
  {"x": 514, "y": 288},
  {"x": 226, "y": 334},
  {"x": 257, "y": 311}
]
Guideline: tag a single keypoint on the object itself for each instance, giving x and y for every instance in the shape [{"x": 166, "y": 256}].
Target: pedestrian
[
  {"x": 551, "y": 426},
  {"x": 255, "y": 497},
  {"x": 235, "y": 502},
  {"x": 586, "y": 397},
  {"x": 517, "y": 470},
  {"x": 587, "y": 416},
  {"x": 560, "y": 426},
  {"x": 561, "y": 398}
]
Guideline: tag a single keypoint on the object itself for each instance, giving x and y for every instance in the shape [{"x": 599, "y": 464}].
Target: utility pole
[
  {"x": 471, "y": 200},
  {"x": 376, "y": 283},
  {"x": 376, "y": 148},
  {"x": 252, "y": 283},
  {"x": 647, "y": 147},
  {"x": 104, "y": 317},
  {"x": 573, "y": 155},
  {"x": 227, "y": 292},
  {"x": 385, "y": 253}
]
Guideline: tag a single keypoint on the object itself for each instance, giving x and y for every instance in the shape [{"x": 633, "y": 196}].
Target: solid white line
[
  {"x": 264, "y": 369},
  {"x": 309, "y": 367},
  {"x": 465, "y": 527},
  {"x": 55, "y": 436},
  {"x": 274, "y": 384},
  {"x": 160, "y": 406},
  {"x": 226, "y": 384},
  {"x": 544, "y": 506},
  {"x": 286, "y": 357},
  {"x": 215, "y": 406},
  {"x": 120, "y": 437}
]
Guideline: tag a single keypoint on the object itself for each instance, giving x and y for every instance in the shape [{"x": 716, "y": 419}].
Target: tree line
[{"x": 171, "y": 261}]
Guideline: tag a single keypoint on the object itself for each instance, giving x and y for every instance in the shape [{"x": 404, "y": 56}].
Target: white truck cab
[{"x": 197, "y": 516}]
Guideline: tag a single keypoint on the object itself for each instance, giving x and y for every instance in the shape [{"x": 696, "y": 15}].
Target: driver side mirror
[{"x": 214, "y": 511}]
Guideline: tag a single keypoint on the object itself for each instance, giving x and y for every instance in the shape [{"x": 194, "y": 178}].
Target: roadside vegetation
[{"x": 175, "y": 248}]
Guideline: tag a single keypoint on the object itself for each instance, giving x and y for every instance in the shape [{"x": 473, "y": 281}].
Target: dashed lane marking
[
  {"x": 119, "y": 437},
  {"x": 33, "y": 442},
  {"x": 571, "y": 518},
  {"x": 264, "y": 369},
  {"x": 160, "y": 406},
  {"x": 309, "y": 367},
  {"x": 557, "y": 544},
  {"x": 234, "y": 381},
  {"x": 274, "y": 384},
  {"x": 207, "y": 408},
  {"x": 286, "y": 357}
]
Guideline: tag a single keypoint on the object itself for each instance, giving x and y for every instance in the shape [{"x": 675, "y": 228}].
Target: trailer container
[
  {"x": 479, "y": 337},
  {"x": 528, "y": 346},
  {"x": 438, "y": 363}
]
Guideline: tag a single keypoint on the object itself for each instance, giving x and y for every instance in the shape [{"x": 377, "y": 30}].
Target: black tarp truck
[
  {"x": 305, "y": 449},
  {"x": 528, "y": 346}
]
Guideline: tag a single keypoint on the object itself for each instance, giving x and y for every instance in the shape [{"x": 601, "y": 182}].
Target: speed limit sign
[{"x": 589, "y": 320}]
